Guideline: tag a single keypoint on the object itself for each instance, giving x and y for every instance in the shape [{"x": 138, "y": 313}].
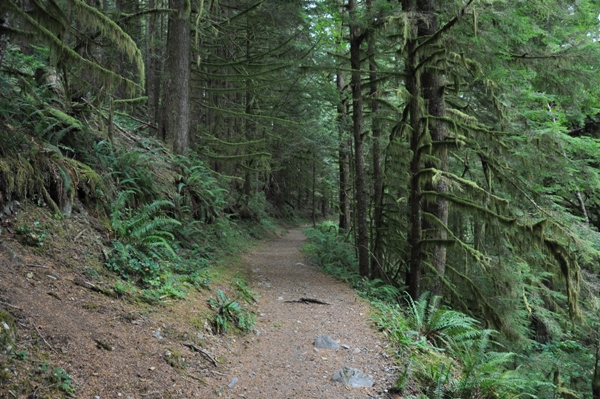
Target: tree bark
[
  {"x": 413, "y": 85},
  {"x": 175, "y": 122},
  {"x": 152, "y": 78},
  {"x": 343, "y": 154},
  {"x": 362, "y": 239},
  {"x": 432, "y": 89},
  {"x": 377, "y": 247}
]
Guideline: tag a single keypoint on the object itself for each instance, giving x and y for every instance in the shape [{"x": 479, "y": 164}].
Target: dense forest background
[{"x": 455, "y": 143}]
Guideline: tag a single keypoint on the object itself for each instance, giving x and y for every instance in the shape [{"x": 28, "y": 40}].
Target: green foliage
[
  {"x": 446, "y": 355},
  {"x": 144, "y": 245},
  {"x": 20, "y": 355},
  {"x": 328, "y": 250},
  {"x": 33, "y": 236},
  {"x": 228, "y": 312},
  {"x": 439, "y": 326},
  {"x": 200, "y": 194},
  {"x": 244, "y": 292},
  {"x": 59, "y": 377},
  {"x": 48, "y": 22},
  {"x": 131, "y": 169},
  {"x": 64, "y": 381}
]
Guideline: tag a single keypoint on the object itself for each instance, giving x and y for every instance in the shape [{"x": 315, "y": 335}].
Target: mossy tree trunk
[
  {"x": 343, "y": 155},
  {"x": 413, "y": 86},
  {"x": 362, "y": 238},
  {"x": 432, "y": 89},
  {"x": 175, "y": 123},
  {"x": 377, "y": 246}
]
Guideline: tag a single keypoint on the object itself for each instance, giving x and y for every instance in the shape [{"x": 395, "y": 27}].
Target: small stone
[
  {"x": 232, "y": 383},
  {"x": 345, "y": 346},
  {"x": 353, "y": 377},
  {"x": 325, "y": 342}
]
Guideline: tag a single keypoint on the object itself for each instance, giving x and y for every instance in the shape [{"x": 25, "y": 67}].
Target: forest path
[
  {"x": 119, "y": 348},
  {"x": 280, "y": 361}
]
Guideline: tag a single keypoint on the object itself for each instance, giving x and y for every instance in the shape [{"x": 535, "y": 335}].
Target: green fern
[
  {"x": 230, "y": 312},
  {"x": 144, "y": 245},
  {"x": 438, "y": 325}
]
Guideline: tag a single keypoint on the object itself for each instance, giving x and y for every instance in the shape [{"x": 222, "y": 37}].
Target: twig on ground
[
  {"x": 202, "y": 352},
  {"x": 42, "y": 337},
  {"x": 10, "y": 306},
  {"x": 196, "y": 378},
  {"x": 79, "y": 235},
  {"x": 309, "y": 300},
  {"x": 32, "y": 265}
]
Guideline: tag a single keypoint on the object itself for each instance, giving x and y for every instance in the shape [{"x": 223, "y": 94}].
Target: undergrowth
[
  {"x": 229, "y": 313},
  {"x": 441, "y": 353}
]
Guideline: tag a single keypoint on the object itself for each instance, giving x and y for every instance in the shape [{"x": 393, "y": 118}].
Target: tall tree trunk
[
  {"x": 152, "y": 88},
  {"x": 362, "y": 239},
  {"x": 377, "y": 247},
  {"x": 176, "y": 102},
  {"x": 413, "y": 85},
  {"x": 432, "y": 89},
  {"x": 343, "y": 153}
]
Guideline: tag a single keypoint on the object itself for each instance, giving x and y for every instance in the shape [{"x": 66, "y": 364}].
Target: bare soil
[{"x": 115, "y": 347}]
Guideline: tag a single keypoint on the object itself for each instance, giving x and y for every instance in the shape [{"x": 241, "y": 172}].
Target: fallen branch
[
  {"x": 32, "y": 265},
  {"x": 86, "y": 284},
  {"x": 196, "y": 378},
  {"x": 202, "y": 352},
  {"x": 308, "y": 300},
  {"x": 10, "y": 306},
  {"x": 42, "y": 337},
  {"x": 79, "y": 235}
]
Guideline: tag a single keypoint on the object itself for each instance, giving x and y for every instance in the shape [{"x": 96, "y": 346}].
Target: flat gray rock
[
  {"x": 352, "y": 377},
  {"x": 325, "y": 342}
]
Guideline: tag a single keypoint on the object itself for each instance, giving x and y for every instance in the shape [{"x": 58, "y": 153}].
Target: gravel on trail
[{"x": 280, "y": 360}]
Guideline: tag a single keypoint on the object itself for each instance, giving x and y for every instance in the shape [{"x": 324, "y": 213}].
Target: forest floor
[{"x": 71, "y": 337}]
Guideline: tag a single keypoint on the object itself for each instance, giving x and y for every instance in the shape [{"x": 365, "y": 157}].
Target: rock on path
[{"x": 280, "y": 360}]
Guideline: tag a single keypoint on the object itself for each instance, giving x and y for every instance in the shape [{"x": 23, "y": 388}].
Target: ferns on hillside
[{"x": 144, "y": 244}]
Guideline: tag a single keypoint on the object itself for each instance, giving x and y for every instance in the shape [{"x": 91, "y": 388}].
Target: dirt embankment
[{"x": 111, "y": 347}]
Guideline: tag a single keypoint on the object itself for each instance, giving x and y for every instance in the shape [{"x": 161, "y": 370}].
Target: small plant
[
  {"x": 229, "y": 312},
  {"x": 91, "y": 273},
  {"x": 244, "y": 292},
  {"x": 33, "y": 236},
  {"x": 64, "y": 381},
  {"x": 20, "y": 355}
]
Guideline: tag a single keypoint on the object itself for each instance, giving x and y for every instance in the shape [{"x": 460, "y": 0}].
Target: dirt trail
[
  {"x": 281, "y": 361},
  {"x": 114, "y": 348}
]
